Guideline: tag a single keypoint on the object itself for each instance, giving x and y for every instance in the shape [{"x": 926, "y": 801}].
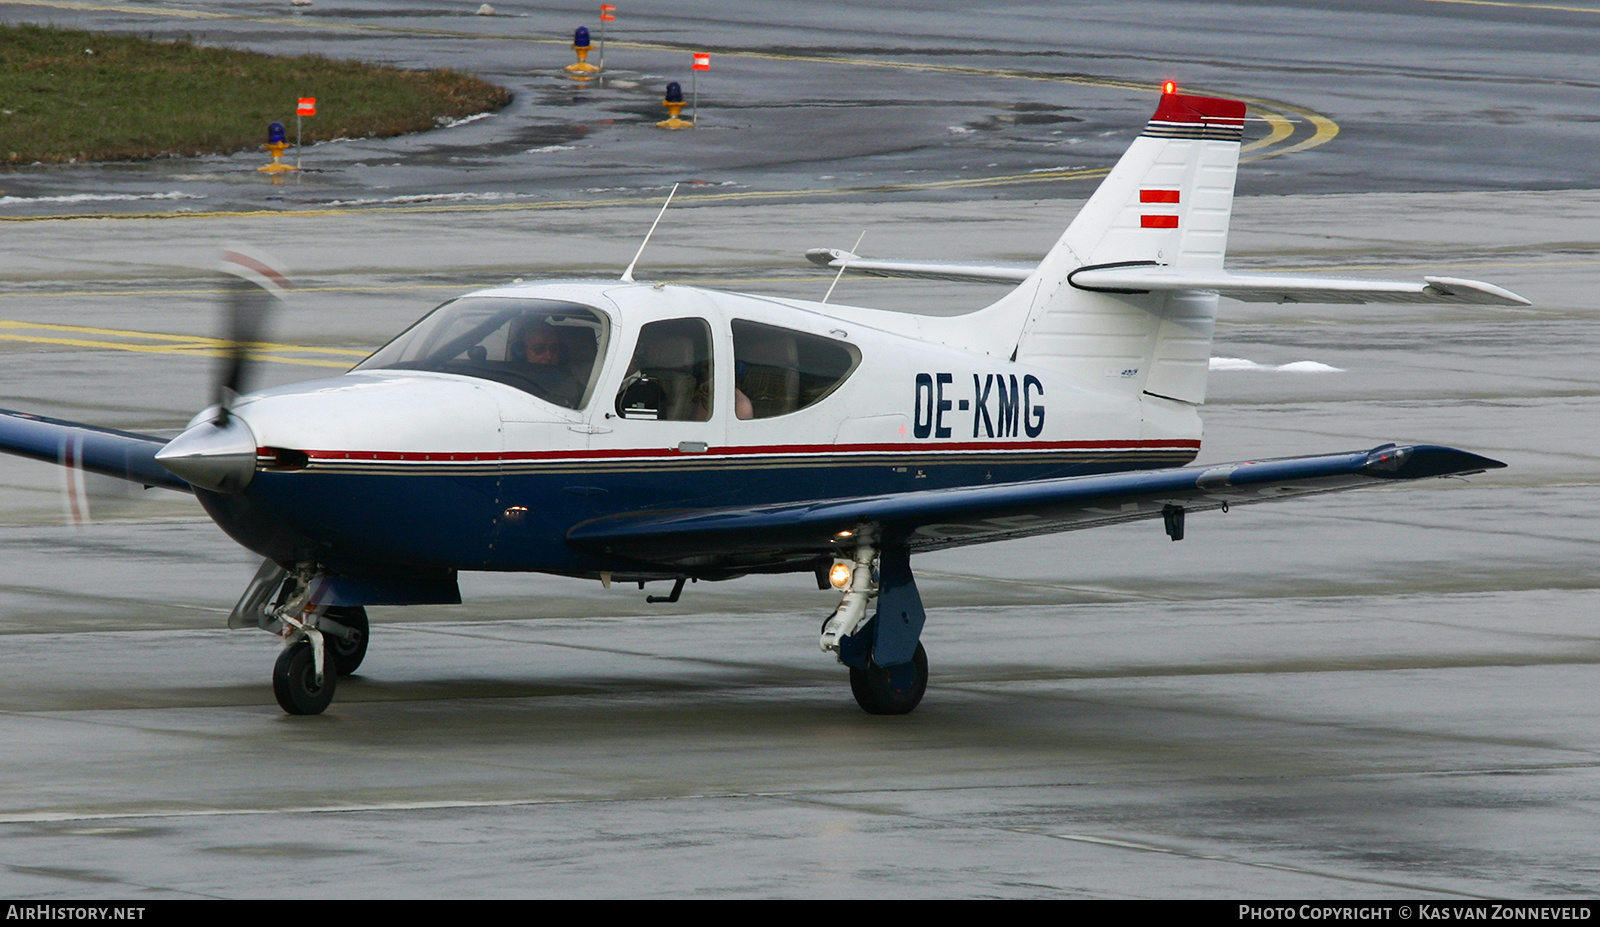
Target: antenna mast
[
  {"x": 627, "y": 275},
  {"x": 843, "y": 263}
]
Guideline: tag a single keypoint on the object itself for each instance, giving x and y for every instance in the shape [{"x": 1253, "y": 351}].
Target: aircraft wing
[
  {"x": 122, "y": 454},
  {"x": 771, "y": 536},
  {"x": 1147, "y": 278}
]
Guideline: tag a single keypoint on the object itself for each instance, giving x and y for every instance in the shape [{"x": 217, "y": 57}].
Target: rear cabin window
[
  {"x": 545, "y": 347},
  {"x": 778, "y": 370}
]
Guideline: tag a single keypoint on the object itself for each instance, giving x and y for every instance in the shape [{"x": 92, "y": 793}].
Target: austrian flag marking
[
  {"x": 307, "y": 107},
  {"x": 1157, "y": 221}
]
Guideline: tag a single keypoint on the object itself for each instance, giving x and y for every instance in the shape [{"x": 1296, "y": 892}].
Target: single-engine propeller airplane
[{"x": 628, "y": 431}]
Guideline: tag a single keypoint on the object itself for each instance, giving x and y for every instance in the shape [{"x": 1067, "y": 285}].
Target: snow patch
[
  {"x": 1240, "y": 363},
  {"x": 445, "y": 122},
  {"x": 423, "y": 198},
  {"x": 99, "y": 197}
]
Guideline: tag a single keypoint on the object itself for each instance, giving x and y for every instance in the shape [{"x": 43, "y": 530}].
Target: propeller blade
[{"x": 254, "y": 284}]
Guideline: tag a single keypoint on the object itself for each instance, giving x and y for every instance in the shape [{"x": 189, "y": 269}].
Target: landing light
[{"x": 839, "y": 575}]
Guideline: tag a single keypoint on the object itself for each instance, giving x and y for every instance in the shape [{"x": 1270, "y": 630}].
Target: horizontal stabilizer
[
  {"x": 1290, "y": 288},
  {"x": 759, "y": 537},
  {"x": 1153, "y": 278},
  {"x": 121, "y": 454}
]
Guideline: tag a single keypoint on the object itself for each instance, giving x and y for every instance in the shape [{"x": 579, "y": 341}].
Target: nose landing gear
[
  {"x": 300, "y": 685},
  {"x": 321, "y": 642}
]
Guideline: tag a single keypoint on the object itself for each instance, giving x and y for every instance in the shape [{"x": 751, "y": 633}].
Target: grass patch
[{"x": 69, "y": 95}]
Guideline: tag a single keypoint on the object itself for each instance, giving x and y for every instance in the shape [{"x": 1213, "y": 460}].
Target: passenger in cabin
[
  {"x": 545, "y": 368},
  {"x": 742, "y": 407}
]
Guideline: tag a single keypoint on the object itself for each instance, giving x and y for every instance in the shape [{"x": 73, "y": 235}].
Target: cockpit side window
[
  {"x": 778, "y": 370},
  {"x": 549, "y": 348},
  {"x": 669, "y": 378}
]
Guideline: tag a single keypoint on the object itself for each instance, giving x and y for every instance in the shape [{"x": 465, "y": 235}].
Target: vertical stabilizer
[{"x": 1167, "y": 202}]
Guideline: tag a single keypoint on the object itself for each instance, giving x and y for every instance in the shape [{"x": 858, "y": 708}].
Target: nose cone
[{"x": 221, "y": 458}]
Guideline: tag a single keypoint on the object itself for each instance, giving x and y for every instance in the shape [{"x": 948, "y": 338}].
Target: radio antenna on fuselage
[
  {"x": 854, "y": 250},
  {"x": 627, "y": 275}
]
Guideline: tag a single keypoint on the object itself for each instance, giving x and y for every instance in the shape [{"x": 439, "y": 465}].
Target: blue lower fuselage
[{"x": 513, "y": 515}]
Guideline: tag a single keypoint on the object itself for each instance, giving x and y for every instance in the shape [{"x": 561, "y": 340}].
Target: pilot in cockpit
[{"x": 539, "y": 344}]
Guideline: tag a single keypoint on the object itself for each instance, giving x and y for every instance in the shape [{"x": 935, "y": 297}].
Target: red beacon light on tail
[{"x": 1169, "y": 87}]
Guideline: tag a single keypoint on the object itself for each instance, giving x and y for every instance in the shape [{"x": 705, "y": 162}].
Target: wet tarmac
[
  {"x": 836, "y": 99},
  {"x": 1382, "y": 694}
]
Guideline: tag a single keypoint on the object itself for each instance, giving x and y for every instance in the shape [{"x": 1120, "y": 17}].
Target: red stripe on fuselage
[{"x": 776, "y": 450}]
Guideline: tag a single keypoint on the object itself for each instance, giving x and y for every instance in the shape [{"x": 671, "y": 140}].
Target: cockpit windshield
[{"x": 546, "y": 347}]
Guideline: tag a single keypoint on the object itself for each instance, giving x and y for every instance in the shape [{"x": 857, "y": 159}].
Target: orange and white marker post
[
  {"x": 306, "y": 107},
  {"x": 608, "y": 14},
  {"x": 702, "y": 62}
]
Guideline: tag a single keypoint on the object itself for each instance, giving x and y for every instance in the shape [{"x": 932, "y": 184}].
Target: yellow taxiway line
[
  {"x": 164, "y": 343},
  {"x": 1558, "y": 7}
]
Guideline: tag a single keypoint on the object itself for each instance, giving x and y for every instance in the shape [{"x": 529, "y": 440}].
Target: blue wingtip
[{"x": 1420, "y": 461}]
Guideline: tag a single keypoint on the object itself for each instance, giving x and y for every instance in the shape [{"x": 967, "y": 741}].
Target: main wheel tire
[
  {"x": 892, "y": 691},
  {"x": 294, "y": 681},
  {"x": 347, "y": 655}
]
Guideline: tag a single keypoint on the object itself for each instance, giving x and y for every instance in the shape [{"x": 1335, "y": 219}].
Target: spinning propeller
[
  {"x": 253, "y": 286},
  {"x": 219, "y": 453}
]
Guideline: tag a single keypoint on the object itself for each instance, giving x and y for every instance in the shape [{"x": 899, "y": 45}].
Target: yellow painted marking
[
  {"x": 218, "y": 291},
  {"x": 189, "y": 350},
  {"x": 165, "y": 343},
  {"x": 1325, "y": 128},
  {"x": 1558, "y": 7},
  {"x": 1282, "y": 128}
]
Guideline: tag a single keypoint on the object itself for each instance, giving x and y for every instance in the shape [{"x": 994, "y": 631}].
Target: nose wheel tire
[
  {"x": 294, "y": 681},
  {"x": 347, "y": 655},
  {"x": 894, "y": 690}
]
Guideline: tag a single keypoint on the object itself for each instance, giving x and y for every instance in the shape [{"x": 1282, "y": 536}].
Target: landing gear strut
[
  {"x": 888, "y": 665},
  {"x": 321, "y": 642}
]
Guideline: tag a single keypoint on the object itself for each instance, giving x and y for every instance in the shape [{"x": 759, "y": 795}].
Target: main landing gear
[
  {"x": 888, "y": 665},
  {"x": 321, "y": 642},
  {"x": 893, "y": 690}
]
